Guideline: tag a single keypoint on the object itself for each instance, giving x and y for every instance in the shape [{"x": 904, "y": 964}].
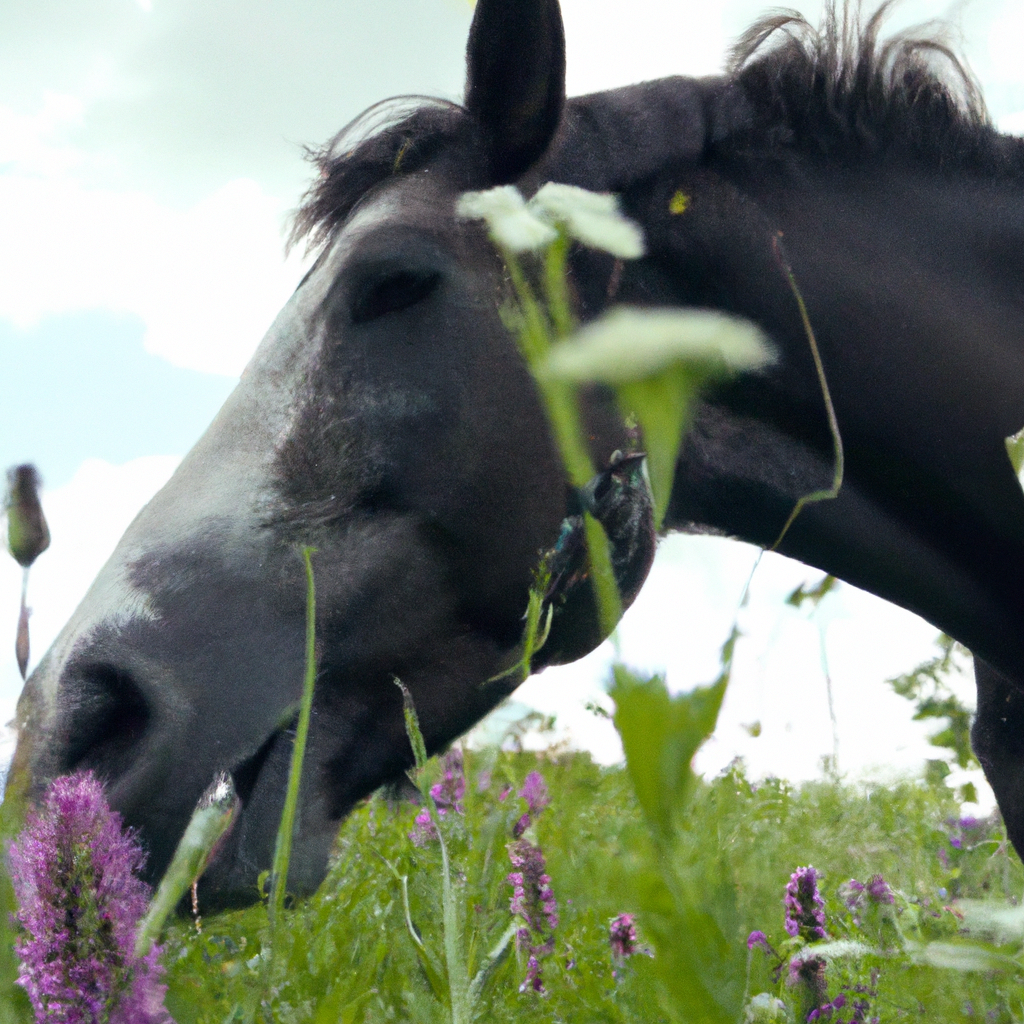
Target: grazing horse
[{"x": 388, "y": 420}]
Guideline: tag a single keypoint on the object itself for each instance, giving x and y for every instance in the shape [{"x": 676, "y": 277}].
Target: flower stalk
[{"x": 286, "y": 829}]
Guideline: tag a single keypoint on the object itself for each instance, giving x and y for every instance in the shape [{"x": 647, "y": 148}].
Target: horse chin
[{"x": 236, "y": 875}]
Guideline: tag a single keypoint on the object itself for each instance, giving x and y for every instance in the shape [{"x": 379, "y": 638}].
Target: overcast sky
[{"x": 150, "y": 151}]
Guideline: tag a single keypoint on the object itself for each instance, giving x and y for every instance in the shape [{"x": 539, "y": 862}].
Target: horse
[{"x": 388, "y": 420}]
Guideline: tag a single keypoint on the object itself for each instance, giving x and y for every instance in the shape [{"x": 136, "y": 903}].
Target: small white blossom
[
  {"x": 629, "y": 344},
  {"x": 510, "y": 222},
  {"x": 592, "y": 218},
  {"x": 765, "y": 1009}
]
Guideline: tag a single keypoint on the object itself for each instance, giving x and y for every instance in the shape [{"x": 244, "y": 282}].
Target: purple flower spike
[
  {"x": 533, "y": 979},
  {"x": 423, "y": 830},
  {"x": 74, "y": 874},
  {"x": 534, "y": 903},
  {"x": 535, "y": 793},
  {"x": 803, "y": 902},
  {"x": 622, "y": 936},
  {"x": 448, "y": 793},
  {"x": 878, "y": 890}
]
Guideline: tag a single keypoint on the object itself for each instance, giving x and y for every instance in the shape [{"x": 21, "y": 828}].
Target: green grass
[{"x": 345, "y": 954}]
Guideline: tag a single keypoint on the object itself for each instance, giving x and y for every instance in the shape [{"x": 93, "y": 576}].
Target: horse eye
[{"x": 391, "y": 294}]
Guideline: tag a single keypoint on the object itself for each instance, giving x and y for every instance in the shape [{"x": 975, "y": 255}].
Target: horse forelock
[
  {"x": 396, "y": 136},
  {"x": 843, "y": 90}
]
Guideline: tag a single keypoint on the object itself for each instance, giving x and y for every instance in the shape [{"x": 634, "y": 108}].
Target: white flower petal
[
  {"x": 592, "y": 218},
  {"x": 632, "y": 344},
  {"x": 510, "y": 222}
]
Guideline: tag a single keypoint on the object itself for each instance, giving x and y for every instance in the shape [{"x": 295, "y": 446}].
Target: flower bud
[{"x": 28, "y": 536}]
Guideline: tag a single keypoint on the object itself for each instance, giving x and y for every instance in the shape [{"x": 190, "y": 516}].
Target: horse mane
[
  {"x": 842, "y": 91},
  {"x": 394, "y": 136},
  {"x": 837, "y": 91}
]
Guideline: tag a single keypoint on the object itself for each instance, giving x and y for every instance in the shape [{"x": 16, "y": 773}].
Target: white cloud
[
  {"x": 659, "y": 37},
  {"x": 1012, "y": 124},
  {"x": 87, "y": 517},
  {"x": 207, "y": 281},
  {"x": 1004, "y": 42},
  {"x": 677, "y": 625}
]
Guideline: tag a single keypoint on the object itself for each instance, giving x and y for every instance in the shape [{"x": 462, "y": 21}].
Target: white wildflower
[
  {"x": 592, "y": 218},
  {"x": 510, "y": 222},
  {"x": 629, "y": 344},
  {"x": 765, "y": 1009}
]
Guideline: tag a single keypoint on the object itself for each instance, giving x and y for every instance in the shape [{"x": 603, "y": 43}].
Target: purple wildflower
[
  {"x": 533, "y": 979},
  {"x": 803, "y": 902},
  {"x": 447, "y": 796},
  {"x": 622, "y": 936},
  {"x": 825, "y": 1012},
  {"x": 535, "y": 793},
  {"x": 423, "y": 830},
  {"x": 878, "y": 890},
  {"x": 852, "y": 893},
  {"x": 448, "y": 793},
  {"x": 520, "y": 826},
  {"x": 758, "y": 939},
  {"x": 808, "y": 972},
  {"x": 535, "y": 904},
  {"x": 74, "y": 874}
]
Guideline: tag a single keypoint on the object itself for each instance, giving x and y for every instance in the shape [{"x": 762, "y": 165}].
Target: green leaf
[
  {"x": 412, "y": 726},
  {"x": 660, "y": 735},
  {"x": 935, "y": 771},
  {"x": 661, "y": 405},
  {"x": 214, "y": 812},
  {"x": 657, "y": 360},
  {"x": 698, "y": 957},
  {"x": 1015, "y": 449}
]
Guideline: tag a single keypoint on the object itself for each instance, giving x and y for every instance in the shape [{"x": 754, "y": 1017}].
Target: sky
[{"x": 150, "y": 151}]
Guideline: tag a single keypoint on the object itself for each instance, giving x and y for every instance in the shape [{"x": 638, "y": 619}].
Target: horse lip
[{"x": 246, "y": 773}]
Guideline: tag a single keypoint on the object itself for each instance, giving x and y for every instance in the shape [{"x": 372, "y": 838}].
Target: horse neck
[{"x": 913, "y": 275}]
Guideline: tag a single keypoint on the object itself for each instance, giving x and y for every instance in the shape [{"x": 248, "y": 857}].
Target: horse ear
[{"x": 515, "y": 80}]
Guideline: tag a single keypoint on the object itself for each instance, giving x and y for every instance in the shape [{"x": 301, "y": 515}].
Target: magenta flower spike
[
  {"x": 804, "y": 914},
  {"x": 535, "y": 793},
  {"x": 534, "y": 903},
  {"x": 447, "y": 796},
  {"x": 74, "y": 870},
  {"x": 622, "y": 936}
]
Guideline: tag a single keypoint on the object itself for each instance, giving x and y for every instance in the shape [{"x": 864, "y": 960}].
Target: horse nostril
[{"x": 105, "y": 716}]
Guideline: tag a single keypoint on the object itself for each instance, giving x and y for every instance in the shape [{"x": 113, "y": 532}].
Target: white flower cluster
[
  {"x": 590, "y": 217},
  {"x": 629, "y": 344}
]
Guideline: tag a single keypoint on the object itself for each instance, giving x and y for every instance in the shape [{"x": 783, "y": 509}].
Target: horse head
[{"x": 387, "y": 420}]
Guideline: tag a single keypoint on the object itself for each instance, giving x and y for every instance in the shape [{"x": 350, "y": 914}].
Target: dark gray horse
[{"x": 388, "y": 420}]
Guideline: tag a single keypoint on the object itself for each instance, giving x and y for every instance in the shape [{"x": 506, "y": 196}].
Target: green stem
[
  {"x": 283, "y": 846},
  {"x": 609, "y": 602},
  {"x": 556, "y": 286},
  {"x": 826, "y": 494},
  {"x": 457, "y": 977},
  {"x": 562, "y": 409}
]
